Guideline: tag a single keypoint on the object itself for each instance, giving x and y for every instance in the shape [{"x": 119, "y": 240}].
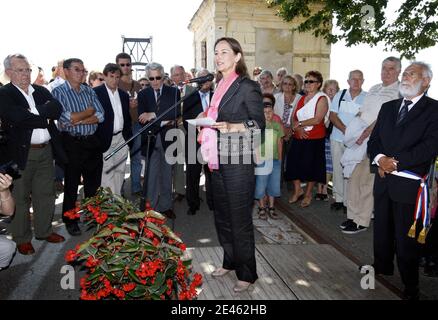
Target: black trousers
[
  {"x": 233, "y": 198},
  {"x": 84, "y": 159},
  {"x": 392, "y": 221}
]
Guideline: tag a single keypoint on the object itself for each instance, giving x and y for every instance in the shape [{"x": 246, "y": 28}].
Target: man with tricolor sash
[{"x": 402, "y": 148}]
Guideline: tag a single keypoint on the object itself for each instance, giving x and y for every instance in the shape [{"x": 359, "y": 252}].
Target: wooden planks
[
  {"x": 288, "y": 272},
  {"x": 320, "y": 272},
  {"x": 269, "y": 285}
]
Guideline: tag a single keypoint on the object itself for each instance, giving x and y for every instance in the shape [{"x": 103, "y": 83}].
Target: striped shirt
[{"x": 73, "y": 101}]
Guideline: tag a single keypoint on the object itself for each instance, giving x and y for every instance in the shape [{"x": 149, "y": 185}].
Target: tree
[{"x": 365, "y": 21}]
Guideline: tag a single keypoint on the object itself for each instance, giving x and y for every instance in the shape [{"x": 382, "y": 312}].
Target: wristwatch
[
  {"x": 250, "y": 124},
  {"x": 300, "y": 124}
]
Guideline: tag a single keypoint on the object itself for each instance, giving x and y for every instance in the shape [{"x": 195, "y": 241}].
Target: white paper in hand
[{"x": 202, "y": 122}]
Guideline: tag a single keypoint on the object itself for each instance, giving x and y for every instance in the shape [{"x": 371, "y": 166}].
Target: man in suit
[
  {"x": 152, "y": 102},
  {"x": 115, "y": 129},
  {"x": 28, "y": 113},
  {"x": 178, "y": 76},
  {"x": 81, "y": 112},
  {"x": 193, "y": 106},
  {"x": 405, "y": 138}
]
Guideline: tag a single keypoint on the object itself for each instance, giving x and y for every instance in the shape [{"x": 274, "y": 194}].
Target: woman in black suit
[{"x": 237, "y": 107}]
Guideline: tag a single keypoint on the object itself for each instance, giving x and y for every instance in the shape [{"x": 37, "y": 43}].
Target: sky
[{"x": 92, "y": 30}]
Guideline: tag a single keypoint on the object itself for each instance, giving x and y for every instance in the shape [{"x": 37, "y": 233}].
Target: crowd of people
[{"x": 312, "y": 135}]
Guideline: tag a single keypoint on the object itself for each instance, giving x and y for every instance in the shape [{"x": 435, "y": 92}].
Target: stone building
[{"x": 267, "y": 40}]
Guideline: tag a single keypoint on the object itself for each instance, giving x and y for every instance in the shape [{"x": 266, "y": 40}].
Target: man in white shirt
[
  {"x": 115, "y": 129},
  {"x": 344, "y": 107},
  {"x": 28, "y": 113},
  {"x": 360, "y": 201}
]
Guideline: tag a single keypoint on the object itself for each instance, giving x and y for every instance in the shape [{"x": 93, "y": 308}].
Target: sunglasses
[
  {"x": 125, "y": 64},
  {"x": 310, "y": 81},
  {"x": 267, "y": 104},
  {"x": 156, "y": 78},
  {"x": 101, "y": 79}
]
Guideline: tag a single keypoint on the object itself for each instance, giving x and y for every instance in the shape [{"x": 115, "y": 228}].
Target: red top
[{"x": 318, "y": 131}]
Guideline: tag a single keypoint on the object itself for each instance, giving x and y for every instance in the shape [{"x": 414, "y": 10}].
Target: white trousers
[{"x": 113, "y": 172}]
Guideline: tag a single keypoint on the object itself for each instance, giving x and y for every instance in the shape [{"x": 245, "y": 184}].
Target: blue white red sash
[{"x": 422, "y": 205}]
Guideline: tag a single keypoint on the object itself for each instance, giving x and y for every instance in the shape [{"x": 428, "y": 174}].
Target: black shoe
[
  {"x": 179, "y": 197},
  {"x": 337, "y": 206},
  {"x": 73, "y": 228},
  {"x": 353, "y": 228},
  {"x": 170, "y": 214},
  {"x": 345, "y": 224},
  {"x": 191, "y": 212}
]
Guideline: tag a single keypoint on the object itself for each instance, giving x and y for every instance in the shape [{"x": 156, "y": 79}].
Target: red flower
[
  {"x": 149, "y": 233},
  {"x": 129, "y": 287},
  {"x": 182, "y": 246},
  {"x": 156, "y": 242},
  {"x": 86, "y": 296},
  {"x": 92, "y": 262},
  {"x": 119, "y": 293},
  {"x": 102, "y": 218},
  {"x": 72, "y": 214},
  {"x": 71, "y": 255}
]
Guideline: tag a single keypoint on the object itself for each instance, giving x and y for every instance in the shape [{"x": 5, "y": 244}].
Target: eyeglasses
[
  {"x": 156, "y": 78},
  {"x": 101, "y": 79},
  {"x": 27, "y": 70},
  {"x": 267, "y": 104},
  {"x": 311, "y": 81},
  {"x": 125, "y": 64},
  {"x": 78, "y": 70}
]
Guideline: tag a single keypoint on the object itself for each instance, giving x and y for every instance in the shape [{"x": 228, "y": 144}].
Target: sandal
[
  {"x": 262, "y": 214},
  {"x": 273, "y": 214},
  {"x": 319, "y": 196},
  {"x": 306, "y": 202},
  {"x": 296, "y": 197}
]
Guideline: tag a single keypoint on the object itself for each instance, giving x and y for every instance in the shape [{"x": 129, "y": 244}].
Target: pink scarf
[{"x": 208, "y": 137}]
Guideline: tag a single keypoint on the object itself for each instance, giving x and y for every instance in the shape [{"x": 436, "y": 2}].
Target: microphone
[{"x": 200, "y": 80}]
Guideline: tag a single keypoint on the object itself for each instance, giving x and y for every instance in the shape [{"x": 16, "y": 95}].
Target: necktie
[
  {"x": 404, "y": 111},
  {"x": 158, "y": 99},
  {"x": 204, "y": 100}
]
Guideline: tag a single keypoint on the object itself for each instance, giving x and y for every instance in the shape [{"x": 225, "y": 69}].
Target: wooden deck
[{"x": 289, "y": 272}]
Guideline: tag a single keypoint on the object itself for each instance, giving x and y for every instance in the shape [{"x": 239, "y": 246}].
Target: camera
[{"x": 11, "y": 169}]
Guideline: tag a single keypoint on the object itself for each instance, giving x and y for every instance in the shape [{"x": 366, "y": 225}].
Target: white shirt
[
  {"x": 116, "y": 103},
  {"x": 207, "y": 99},
  {"x": 39, "y": 136},
  {"x": 374, "y": 99},
  {"x": 55, "y": 83}
]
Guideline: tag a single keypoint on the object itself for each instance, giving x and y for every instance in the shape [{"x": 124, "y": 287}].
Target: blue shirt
[
  {"x": 346, "y": 111},
  {"x": 73, "y": 101}
]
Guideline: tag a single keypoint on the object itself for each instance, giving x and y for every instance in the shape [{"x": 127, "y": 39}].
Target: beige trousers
[
  {"x": 339, "y": 183},
  {"x": 360, "y": 201}
]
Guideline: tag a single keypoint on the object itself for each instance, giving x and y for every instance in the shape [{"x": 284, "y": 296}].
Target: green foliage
[{"x": 365, "y": 21}]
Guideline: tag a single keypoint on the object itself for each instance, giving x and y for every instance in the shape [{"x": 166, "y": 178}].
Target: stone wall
[{"x": 267, "y": 40}]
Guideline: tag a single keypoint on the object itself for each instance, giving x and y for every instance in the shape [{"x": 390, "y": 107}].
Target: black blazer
[
  {"x": 19, "y": 122},
  {"x": 146, "y": 103},
  {"x": 413, "y": 142},
  {"x": 105, "y": 129},
  {"x": 193, "y": 107},
  {"x": 243, "y": 101}
]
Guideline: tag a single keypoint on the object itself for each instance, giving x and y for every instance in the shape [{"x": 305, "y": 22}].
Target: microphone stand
[{"x": 146, "y": 127}]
